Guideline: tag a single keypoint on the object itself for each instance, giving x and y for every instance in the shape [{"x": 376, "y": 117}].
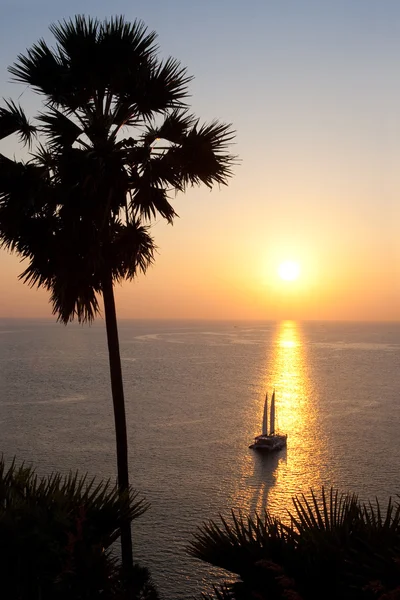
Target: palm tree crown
[{"x": 77, "y": 207}]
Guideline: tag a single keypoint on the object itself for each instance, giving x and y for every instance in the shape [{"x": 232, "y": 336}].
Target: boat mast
[
  {"x": 272, "y": 417},
  {"x": 265, "y": 417}
]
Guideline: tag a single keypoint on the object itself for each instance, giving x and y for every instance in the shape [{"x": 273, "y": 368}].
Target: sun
[{"x": 289, "y": 270}]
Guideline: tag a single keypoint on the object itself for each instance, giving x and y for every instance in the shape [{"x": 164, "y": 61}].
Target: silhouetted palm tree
[
  {"x": 332, "y": 547},
  {"x": 75, "y": 209}
]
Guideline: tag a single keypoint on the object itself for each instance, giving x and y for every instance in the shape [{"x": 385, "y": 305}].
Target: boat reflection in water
[
  {"x": 263, "y": 479},
  {"x": 277, "y": 477}
]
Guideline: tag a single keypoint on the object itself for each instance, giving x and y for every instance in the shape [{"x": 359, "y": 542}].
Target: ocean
[{"x": 194, "y": 395}]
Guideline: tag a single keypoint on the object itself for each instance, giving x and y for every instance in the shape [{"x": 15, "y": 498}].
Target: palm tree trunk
[{"x": 119, "y": 414}]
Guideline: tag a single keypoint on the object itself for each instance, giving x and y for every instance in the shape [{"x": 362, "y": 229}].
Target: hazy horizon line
[{"x": 201, "y": 319}]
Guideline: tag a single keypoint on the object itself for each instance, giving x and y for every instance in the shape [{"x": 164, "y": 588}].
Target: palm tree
[
  {"x": 116, "y": 141},
  {"x": 329, "y": 546}
]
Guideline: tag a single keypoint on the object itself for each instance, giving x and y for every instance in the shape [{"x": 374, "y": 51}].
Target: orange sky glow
[{"x": 318, "y": 183}]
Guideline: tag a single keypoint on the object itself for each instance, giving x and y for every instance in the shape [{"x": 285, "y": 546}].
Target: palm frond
[
  {"x": 386, "y": 521},
  {"x": 47, "y": 157},
  {"x": 131, "y": 250},
  {"x": 160, "y": 171},
  {"x": 73, "y": 293},
  {"x": 236, "y": 545},
  {"x": 124, "y": 114},
  {"x": 62, "y": 79},
  {"x": 125, "y": 46},
  {"x": 202, "y": 156},
  {"x": 126, "y": 49},
  {"x": 331, "y": 513},
  {"x": 43, "y": 70},
  {"x": 62, "y": 258},
  {"x": 78, "y": 49},
  {"x": 23, "y": 195},
  {"x": 59, "y": 130},
  {"x": 14, "y": 120},
  {"x": 155, "y": 88},
  {"x": 70, "y": 301},
  {"x": 175, "y": 126},
  {"x": 76, "y": 38},
  {"x": 148, "y": 200},
  {"x": 133, "y": 37},
  {"x": 166, "y": 87}
]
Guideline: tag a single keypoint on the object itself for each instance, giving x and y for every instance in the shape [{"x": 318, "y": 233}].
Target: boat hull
[{"x": 269, "y": 443}]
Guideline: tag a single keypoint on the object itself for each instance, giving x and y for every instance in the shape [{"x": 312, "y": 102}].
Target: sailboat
[{"x": 269, "y": 442}]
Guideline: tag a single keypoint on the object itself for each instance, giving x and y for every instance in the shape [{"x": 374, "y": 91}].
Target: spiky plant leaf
[
  {"x": 333, "y": 547},
  {"x": 173, "y": 129},
  {"x": 60, "y": 131},
  {"x": 56, "y": 535},
  {"x": 14, "y": 120}
]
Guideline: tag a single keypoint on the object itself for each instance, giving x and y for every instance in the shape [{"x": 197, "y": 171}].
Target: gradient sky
[{"x": 313, "y": 90}]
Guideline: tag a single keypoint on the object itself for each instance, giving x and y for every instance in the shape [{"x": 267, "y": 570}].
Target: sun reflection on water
[
  {"x": 272, "y": 480},
  {"x": 290, "y": 380}
]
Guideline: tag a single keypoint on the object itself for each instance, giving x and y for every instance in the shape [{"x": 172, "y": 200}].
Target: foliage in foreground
[
  {"x": 335, "y": 547},
  {"x": 56, "y": 535}
]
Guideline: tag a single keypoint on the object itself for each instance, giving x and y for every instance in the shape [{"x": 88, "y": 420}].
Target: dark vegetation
[
  {"x": 331, "y": 547},
  {"x": 56, "y": 537}
]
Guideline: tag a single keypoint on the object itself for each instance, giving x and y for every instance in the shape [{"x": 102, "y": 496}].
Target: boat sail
[
  {"x": 272, "y": 417},
  {"x": 269, "y": 442},
  {"x": 265, "y": 416}
]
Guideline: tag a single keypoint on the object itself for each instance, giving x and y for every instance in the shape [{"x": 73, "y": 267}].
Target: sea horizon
[{"x": 199, "y": 319}]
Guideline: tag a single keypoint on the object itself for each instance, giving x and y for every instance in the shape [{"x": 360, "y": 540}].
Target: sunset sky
[{"x": 313, "y": 89}]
